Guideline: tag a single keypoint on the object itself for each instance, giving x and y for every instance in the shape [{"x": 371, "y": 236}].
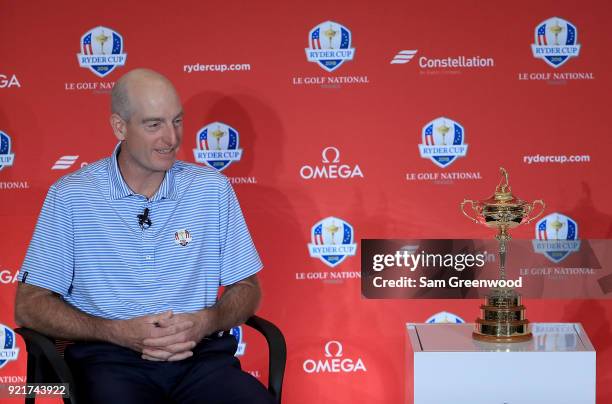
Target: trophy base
[
  {"x": 502, "y": 318},
  {"x": 502, "y": 339}
]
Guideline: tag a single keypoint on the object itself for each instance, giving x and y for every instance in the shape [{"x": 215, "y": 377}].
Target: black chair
[{"x": 46, "y": 358}]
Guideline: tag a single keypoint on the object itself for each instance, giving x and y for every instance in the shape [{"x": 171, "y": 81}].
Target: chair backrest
[
  {"x": 277, "y": 353},
  {"x": 45, "y": 363}
]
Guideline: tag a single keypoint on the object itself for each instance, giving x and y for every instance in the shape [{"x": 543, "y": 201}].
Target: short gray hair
[{"x": 120, "y": 100}]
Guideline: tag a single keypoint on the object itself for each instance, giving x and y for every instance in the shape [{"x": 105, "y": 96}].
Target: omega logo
[
  {"x": 336, "y": 364},
  {"x": 331, "y": 169},
  {"x": 9, "y": 81}
]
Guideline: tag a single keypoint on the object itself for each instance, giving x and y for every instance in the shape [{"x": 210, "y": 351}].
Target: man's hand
[
  {"x": 176, "y": 341},
  {"x": 133, "y": 332},
  {"x": 238, "y": 302}
]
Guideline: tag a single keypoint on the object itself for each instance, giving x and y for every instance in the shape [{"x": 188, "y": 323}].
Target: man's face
[{"x": 154, "y": 132}]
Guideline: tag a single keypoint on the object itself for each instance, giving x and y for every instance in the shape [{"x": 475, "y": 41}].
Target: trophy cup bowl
[{"x": 502, "y": 316}]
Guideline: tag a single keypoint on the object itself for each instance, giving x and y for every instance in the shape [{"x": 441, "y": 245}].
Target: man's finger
[
  {"x": 180, "y": 356},
  {"x": 165, "y": 340},
  {"x": 167, "y": 322},
  {"x": 166, "y": 332},
  {"x": 150, "y": 358},
  {"x": 174, "y": 348},
  {"x": 157, "y": 318},
  {"x": 156, "y": 354}
]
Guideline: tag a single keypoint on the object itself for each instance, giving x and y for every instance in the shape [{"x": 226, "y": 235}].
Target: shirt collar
[{"x": 118, "y": 188}]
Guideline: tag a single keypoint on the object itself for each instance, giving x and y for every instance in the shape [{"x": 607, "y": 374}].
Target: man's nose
[{"x": 171, "y": 135}]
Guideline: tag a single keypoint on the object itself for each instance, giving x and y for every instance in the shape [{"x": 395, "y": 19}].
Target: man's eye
[
  {"x": 153, "y": 125},
  {"x": 178, "y": 122}
]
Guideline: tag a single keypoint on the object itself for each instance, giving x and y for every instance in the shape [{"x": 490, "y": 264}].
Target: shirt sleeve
[
  {"x": 49, "y": 262},
  {"x": 239, "y": 258}
]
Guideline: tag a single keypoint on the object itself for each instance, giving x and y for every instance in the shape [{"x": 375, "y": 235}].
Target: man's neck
[{"x": 139, "y": 181}]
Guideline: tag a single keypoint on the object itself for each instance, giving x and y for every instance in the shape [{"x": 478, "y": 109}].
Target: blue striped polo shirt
[{"x": 90, "y": 249}]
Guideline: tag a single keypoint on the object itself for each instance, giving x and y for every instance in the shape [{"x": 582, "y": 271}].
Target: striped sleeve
[
  {"x": 239, "y": 258},
  {"x": 49, "y": 261}
]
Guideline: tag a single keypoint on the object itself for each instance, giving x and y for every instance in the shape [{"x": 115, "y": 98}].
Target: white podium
[{"x": 445, "y": 365}]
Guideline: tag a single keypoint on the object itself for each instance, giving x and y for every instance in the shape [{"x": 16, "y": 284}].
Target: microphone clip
[{"x": 144, "y": 221}]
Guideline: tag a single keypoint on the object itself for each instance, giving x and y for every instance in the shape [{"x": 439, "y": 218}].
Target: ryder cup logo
[
  {"x": 8, "y": 351},
  {"x": 6, "y": 157},
  {"x": 330, "y": 45},
  {"x": 556, "y": 237},
  {"x": 217, "y": 146},
  {"x": 182, "y": 237},
  {"x": 443, "y": 141},
  {"x": 332, "y": 241},
  {"x": 101, "y": 51},
  {"x": 444, "y": 317},
  {"x": 237, "y": 333},
  {"x": 555, "y": 41}
]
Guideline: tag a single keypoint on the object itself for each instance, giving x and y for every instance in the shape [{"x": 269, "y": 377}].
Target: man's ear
[{"x": 119, "y": 126}]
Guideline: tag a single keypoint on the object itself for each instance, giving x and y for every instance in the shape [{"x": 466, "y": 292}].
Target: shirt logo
[
  {"x": 101, "y": 51},
  {"x": 182, "y": 237},
  {"x": 332, "y": 241},
  {"x": 556, "y": 237},
  {"x": 8, "y": 351},
  {"x": 329, "y": 45},
  {"x": 555, "y": 41},
  {"x": 443, "y": 141},
  {"x": 6, "y": 157},
  {"x": 217, "y": 146}
]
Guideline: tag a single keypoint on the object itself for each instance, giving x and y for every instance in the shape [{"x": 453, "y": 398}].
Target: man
[{"x": 127, "y": 257}]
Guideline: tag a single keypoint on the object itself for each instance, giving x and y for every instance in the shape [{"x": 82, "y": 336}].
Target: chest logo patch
[{"x": 182, "y": 237}]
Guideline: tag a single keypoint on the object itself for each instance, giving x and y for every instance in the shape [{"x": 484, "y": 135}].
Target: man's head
[{"x": 147, "y": 117}]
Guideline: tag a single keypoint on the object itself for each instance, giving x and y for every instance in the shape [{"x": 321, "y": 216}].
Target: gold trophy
[
  {"x": 556, "y": 29},
  {"x": 218, "y": 134},
  {"x": 557, "y": 225},
  {"x": 102, "y": 39},
  {"x": 443, "y": 130},
  {"x": 330, "y": 34},
  {"x": 332, "y": 229},
  {"x": 503, "y": 315}
]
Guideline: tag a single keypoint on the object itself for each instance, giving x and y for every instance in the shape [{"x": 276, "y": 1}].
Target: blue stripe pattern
[{"x": 89, "y": 248}]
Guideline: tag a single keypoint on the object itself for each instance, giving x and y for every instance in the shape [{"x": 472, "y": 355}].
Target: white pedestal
[{"x": 446, "y": 365}]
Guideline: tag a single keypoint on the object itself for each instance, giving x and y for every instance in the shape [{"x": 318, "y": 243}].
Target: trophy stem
[{"x": 502, "y": 237}]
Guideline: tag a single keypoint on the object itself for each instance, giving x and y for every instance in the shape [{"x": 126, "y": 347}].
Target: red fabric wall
[{"x": 287, "y": 110}]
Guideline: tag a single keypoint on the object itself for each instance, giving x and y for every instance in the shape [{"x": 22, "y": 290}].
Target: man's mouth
[{"x": 165, "y": 151}]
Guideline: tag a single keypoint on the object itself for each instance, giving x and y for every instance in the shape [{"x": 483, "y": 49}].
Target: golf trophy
[{"x": 502, "y": 314}]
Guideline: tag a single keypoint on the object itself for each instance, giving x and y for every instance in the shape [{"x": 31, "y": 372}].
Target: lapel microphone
[{"x": 144, "y": 221}]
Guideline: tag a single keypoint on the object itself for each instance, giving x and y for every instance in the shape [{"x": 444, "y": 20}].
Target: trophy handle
[
  {"x": 466, "y": 201},
  {"x": 532, "y": 206}
]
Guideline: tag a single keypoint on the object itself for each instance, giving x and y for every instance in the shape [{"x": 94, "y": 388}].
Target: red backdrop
[{"x": 287, "y": 110}]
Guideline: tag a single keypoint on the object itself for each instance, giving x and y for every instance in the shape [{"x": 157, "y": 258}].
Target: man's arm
[
  {"x": 238, "y": 302},
  {"x": 44, "y": 311}
]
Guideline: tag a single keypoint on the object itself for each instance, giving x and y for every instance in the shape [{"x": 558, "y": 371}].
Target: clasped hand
[{"x": 165, "y": 336}]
